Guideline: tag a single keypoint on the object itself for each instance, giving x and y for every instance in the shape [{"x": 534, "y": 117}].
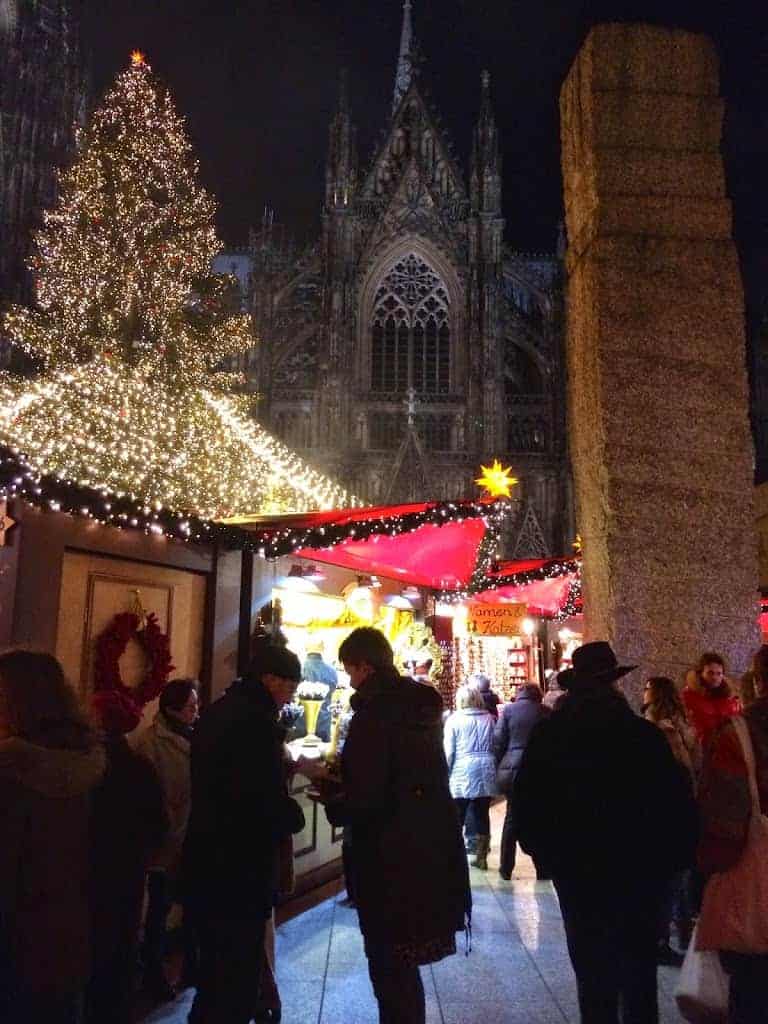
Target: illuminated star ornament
[
  {"x": 138, "y": 59},
  {"x": 497, "y": 480}
]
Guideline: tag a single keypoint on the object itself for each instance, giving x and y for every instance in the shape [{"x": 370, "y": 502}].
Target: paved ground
[{"x": 518, "y": 971}]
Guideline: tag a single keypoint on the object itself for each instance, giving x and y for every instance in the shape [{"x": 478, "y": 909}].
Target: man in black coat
[
  {"x": 410, "y": 872},
  {"x": 240, "y": 812},
  {"x": 601, "y": 800}
]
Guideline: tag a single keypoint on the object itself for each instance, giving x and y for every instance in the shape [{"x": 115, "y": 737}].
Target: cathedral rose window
[{"x": 410, "y": 330}]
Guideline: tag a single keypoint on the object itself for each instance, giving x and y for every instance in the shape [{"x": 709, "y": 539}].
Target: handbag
[
  {"x": 702, "y": 988},
  {"x": 734, "y": 910}
]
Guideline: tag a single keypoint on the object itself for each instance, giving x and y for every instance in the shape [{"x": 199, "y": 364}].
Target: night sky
[{"x": 258, "y": 81}]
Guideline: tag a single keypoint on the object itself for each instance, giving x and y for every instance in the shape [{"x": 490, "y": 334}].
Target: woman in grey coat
[
  {"x": 510, "y": 737},
  {"x": 468, "y": 742}
]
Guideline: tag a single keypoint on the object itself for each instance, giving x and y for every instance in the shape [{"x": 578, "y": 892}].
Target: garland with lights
[
  {"x": 111, "y": 645},
  {"x": 57, "y": 494},
  {"x": 553, "y": 569}
]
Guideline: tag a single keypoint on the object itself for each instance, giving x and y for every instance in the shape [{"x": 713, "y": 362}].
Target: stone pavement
[{"x": 518, "y": 971}]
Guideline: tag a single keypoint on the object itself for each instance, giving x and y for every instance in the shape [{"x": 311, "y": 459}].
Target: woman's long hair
[
  {"x": 665, "y": 701},
  {"x": 38, "y": 703}
]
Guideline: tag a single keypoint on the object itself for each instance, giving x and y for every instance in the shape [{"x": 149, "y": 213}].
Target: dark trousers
[
  {"x": 748, "y": 999},
  {"x": 34, "y": 1008},
  {"x": 508, "y": 840},
  {"x": 160, "y": 899},
  {"x": 231, "y": 955},
  {"x": 611, "y": 939},
  {"x": 158, "y": 908},
  {"x": 481, "y": 806},
  {"x": 398, "y": 989}
]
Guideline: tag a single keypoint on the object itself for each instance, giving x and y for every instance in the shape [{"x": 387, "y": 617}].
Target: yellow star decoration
[
  {"x": 577, "y": 545},
  {"x": 137, "y": 58},
  {"x": 497, "y": 480}
]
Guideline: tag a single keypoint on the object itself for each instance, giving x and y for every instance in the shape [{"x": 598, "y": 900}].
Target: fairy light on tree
[
  {"x": 122, "y": 263},
  {"x": 132, "y": 331}
]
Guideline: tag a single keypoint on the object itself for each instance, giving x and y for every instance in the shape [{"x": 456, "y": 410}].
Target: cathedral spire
[
  {"x": 341, "y": 166},
  {"x": 405, "y": 60},
  {"x": 485, "y": 175}
]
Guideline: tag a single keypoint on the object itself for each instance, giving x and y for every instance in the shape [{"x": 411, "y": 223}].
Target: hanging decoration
[
  {"x": 496, "y": 480},
  {"x": 111, "y": 644}
]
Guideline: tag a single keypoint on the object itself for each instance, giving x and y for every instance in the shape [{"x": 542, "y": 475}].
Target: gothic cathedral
[{"x": 411, "y": 345}]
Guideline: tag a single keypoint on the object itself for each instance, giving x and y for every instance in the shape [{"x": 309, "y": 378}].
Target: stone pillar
[{"x": 660, "y": 438}]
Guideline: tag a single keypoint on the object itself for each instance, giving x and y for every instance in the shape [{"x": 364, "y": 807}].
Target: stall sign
[{"x": 496, "y": 620}]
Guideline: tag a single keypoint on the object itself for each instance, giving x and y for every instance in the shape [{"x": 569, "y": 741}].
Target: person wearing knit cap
[
  {"x": 241, "y": 814},
  {"x": 128, "y": 824}
]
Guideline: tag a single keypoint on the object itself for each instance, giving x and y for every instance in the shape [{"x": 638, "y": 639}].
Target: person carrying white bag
[{"x": 733, "y": 853}]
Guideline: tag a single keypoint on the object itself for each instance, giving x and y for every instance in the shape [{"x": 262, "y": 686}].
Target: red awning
[
  {"x": 544, "y": 584},
  {"x": 428, "y": 544}
]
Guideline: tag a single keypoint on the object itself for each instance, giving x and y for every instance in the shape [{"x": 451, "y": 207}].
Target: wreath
[{"x": 111, "y": 645}]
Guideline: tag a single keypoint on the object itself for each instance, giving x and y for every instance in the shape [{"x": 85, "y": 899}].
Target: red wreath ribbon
[{"x": 111, "y": 645}]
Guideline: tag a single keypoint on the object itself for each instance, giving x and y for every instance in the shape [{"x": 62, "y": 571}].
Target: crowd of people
[{"x": 105, "y": 827}]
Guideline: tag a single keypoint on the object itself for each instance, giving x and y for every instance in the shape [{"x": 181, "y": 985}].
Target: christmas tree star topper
[
  {"x": 138, "y": 59},
  {"x": 497, "y": 480}
]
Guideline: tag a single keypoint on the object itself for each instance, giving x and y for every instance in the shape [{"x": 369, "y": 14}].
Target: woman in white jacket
[{"x": 468, "y": 741}]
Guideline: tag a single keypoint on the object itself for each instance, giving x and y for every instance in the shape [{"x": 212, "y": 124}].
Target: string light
[
  {"x": 112, "y": 429},
  {"x": 122, "y": 263}
]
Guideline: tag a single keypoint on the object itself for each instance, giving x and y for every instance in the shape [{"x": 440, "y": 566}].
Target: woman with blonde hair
[
  {"x": 708, "y": 697},
  {"x": 468, "y": 742},
  {"x": 662, "y": 706},
  {"x": 50, "y": 764}
]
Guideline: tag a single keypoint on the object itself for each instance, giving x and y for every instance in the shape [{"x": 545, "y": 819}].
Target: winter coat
[
  {"x": 129, "y": 825},
  {"x": 707, "y": 710},
  {"x": 601, "y": 800},
  {"x": 468, "y": 743},
  {"x": 45, "y": 942},
  {"x": 411, "y": 879},
  {"x": 168, "y": 749},
  {"x": 511, "y": 735},
  {"x": 724, "y": 797},
  {"x": 240, "y": 806},
  {"x": 682, "y": 740}
]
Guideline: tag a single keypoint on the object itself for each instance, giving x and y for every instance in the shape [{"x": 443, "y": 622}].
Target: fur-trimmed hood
[{"x": 54, "y": 773}]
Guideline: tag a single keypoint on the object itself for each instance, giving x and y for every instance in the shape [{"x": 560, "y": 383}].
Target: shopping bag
[
  {"x": 734, "y": 910},
  {"x": 702, "y": 988}
]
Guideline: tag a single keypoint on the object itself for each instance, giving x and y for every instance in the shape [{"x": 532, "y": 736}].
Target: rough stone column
[{"x": 660, "y": 439}]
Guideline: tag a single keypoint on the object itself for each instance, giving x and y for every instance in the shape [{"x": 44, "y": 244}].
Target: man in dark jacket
[
  {"x": 411, "y": 879},
  {"x": 510, "y": 736},
  {"x": 240, "y": 811},
  {"x": 601, "y": 800}
]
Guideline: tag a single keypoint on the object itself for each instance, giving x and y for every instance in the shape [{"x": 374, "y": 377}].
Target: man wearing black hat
[{"x": 601, "y": 799}]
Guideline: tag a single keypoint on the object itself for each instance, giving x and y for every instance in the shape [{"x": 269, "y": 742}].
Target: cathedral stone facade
[
  {"x": 412, "y": 344},
  {"x": 42, "y": 97}
]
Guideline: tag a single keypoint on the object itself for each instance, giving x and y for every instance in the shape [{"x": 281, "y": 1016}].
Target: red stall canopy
[
  {"x": 544, "y": 584},
  {"x": 428, "y": 544}
]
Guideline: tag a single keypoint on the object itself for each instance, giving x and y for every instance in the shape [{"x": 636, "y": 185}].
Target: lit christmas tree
[
  {"x": 130, "y": 328},
  {"x": 122, "y": 264}
]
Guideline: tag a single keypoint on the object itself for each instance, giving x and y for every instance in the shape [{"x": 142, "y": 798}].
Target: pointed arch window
[{"x": 410, "y": 330}]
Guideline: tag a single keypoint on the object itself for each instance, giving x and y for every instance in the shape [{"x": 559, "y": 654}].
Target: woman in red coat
[{"x": 708, "y": 697}]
